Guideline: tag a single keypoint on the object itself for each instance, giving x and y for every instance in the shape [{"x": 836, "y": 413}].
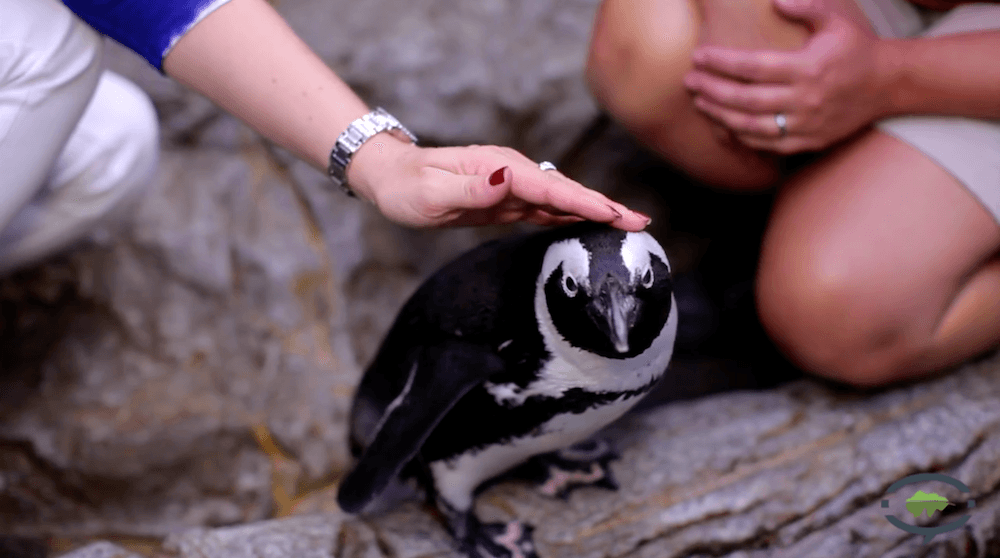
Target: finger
[
  {"x": 473, "y": 159},
  {"x": 542, "y": 217},
  {"x": 534, "y": 186},
  {"x": 551, "y": 190},
  {"x": 504, "y": 216},
  {"x": 738, "y": 95},
  {"x": 475, "y": 196},
  {"x": 553, "y": 211},
  {"x": 515, "y": 210},
  {"x": 739, "y": 122},
  {"x": 761, "y": 66},
  {"x": 457, "y": 191},
  {"x": 781, "y": 146},
  {"x": 813, "y": 13}
]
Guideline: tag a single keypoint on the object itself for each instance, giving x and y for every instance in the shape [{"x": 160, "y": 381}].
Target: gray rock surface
[
  {"x": 464, "y": 71},
  {"x": 101, "y": 549},
  {"x": 798, "y": 471},
  {"x": 215, "y": 313},
  {"x": 305, "y": 537}
]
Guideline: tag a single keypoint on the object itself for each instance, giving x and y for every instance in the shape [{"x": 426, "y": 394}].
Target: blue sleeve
[{"x": 149, "y": 27}]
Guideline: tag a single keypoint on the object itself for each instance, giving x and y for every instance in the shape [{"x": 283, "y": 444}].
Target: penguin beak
[{"x": 617, "y": 309}]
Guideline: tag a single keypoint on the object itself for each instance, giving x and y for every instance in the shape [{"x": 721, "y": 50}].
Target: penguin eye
[
  {"x": 569, "y": 285},
  {"x": 647, "y": 278}
]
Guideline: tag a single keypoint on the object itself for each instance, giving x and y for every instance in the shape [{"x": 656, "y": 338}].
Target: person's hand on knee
[{"x": 793, "y": 101}]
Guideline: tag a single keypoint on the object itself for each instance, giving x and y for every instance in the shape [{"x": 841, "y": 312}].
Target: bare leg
[
  {"x": 879, "y": 266},
  {"x": 639, "y": 54}
]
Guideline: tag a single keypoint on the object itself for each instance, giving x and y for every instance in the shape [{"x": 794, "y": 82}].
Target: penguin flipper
[{"x": 439, "y": 378}]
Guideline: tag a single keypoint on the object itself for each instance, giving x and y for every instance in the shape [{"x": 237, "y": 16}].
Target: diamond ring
[{"x": 782, "y": 121}]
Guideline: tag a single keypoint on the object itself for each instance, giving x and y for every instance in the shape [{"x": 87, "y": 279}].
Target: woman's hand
[
  {"x": 474, "y": 185},
  {"x": 827, "y": 90},
  {"x": 289, "y": 95}
]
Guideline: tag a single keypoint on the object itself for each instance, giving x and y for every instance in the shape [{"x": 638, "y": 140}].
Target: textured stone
[
  {"x": 305, "y": 537},
  {"x": 100, "y": 549},
  {"x": 463, "y": 71},
  {"x": 216, "y": 313},
  {"x": 798, "y": 471}
]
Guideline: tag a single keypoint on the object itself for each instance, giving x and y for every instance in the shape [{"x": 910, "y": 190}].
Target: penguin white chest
[{"x": 457, "y": 478}]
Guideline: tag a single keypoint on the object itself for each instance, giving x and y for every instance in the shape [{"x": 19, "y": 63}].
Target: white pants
[{"x": 76, "y": 143}]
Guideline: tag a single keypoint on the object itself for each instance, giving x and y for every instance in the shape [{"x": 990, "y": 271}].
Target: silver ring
[
  {"x": 782, "y": 121},
  {"x": 546, "y": 165}
]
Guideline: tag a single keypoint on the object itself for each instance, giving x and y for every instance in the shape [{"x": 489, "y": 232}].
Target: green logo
[
  {"x": 922, "y": 501},
  {"x": 929, "y": 503}
]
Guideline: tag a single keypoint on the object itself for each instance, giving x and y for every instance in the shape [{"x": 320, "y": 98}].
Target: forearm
[
  {"x": 954, "y": 75},
  {"x": 246, "y": 59}
]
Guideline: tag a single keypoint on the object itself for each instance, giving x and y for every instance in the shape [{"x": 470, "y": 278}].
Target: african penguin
[{"x": 518, "y": 348}]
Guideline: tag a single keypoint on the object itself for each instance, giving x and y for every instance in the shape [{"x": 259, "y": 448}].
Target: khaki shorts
[{"x": 968, "y": 148}]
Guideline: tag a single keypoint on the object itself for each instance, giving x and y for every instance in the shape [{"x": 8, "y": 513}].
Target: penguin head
[{"x": 606, "y": 291}]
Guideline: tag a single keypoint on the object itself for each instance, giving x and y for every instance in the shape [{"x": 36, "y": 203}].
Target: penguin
[{"x": 520, "y": 349}]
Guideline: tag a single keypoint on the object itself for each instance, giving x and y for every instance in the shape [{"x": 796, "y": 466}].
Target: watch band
[{"x": 356, "y": 134}]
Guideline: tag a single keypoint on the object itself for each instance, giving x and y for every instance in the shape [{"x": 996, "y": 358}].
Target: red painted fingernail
[{"x": 496, "y": 178}]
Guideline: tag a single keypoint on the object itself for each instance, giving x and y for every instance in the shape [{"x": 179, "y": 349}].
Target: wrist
[
  {"x": 382, "y": 153},
  {"x": 890, "y": 70},
  {"x": 356, "y": 136}
]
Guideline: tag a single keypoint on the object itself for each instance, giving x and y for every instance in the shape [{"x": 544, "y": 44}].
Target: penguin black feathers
[{"x": 520, "y": 347}]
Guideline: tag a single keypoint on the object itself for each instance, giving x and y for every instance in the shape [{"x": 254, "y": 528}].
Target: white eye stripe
[
  {"x": 573, "y": 257},
  {"x": 636, "y": 250}
]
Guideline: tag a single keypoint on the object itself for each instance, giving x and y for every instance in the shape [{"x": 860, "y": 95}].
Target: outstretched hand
[
  {"x": 474, "y": 185},
  {"x": 827, "y": 90},
  {"x": 288, "y": 94}
]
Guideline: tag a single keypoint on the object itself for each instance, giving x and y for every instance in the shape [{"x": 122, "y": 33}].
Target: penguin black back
[{"x": 477, "y": 296}]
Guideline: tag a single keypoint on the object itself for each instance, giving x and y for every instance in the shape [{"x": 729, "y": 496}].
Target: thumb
[
  {"x": 478, "y": 192},
  {"x": 814, "y": 13}
]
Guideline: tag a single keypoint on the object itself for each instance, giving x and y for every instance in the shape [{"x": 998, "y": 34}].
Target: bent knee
[
  {"x": 112, "y": 155},
  {"x": 126, "y": 117},
  {"x": 833, "y": 327},
  {"x": 640, "y": 51}
]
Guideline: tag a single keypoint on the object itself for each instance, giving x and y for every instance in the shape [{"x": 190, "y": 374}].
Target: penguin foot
[
  {"x": 501, "y": 540},
  {"x": 582, "y": 464}
]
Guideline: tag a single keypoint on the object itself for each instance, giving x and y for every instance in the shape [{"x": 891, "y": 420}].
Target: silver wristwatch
[{"x": 360, "y": 131}]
